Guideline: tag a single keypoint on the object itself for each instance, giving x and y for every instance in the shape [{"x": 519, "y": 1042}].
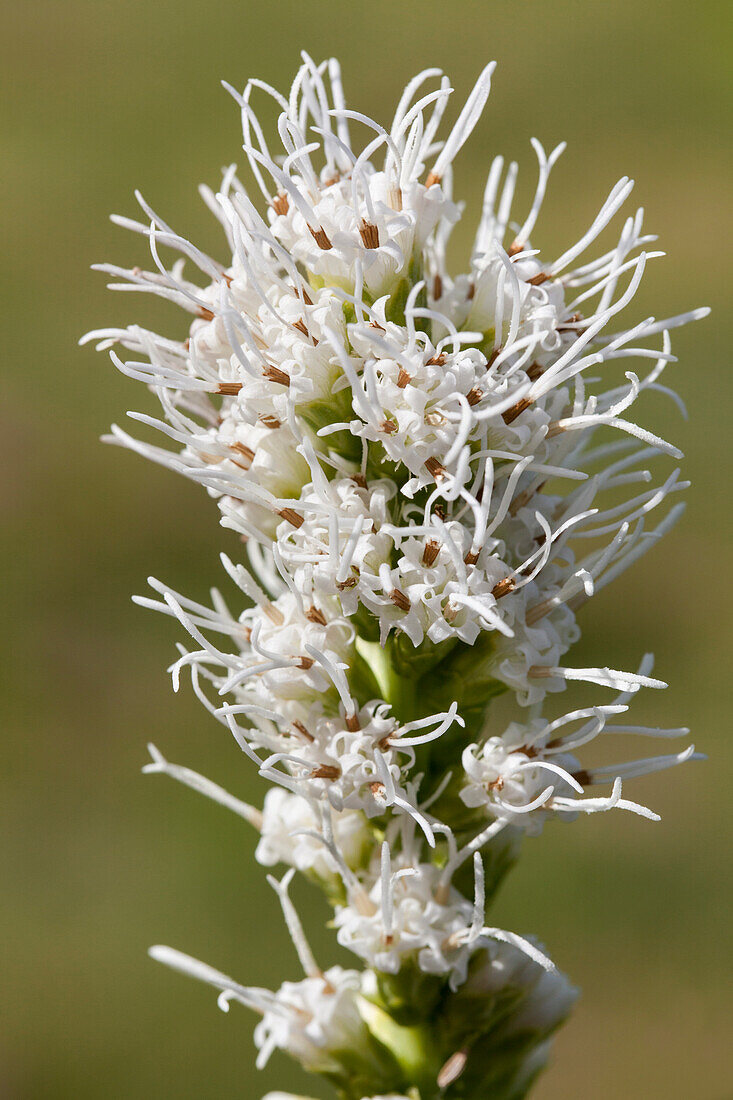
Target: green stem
[{"x": 397, "y": 689}]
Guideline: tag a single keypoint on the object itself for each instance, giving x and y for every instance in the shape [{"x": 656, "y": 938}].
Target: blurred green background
[{"x": 97, "y": 862}]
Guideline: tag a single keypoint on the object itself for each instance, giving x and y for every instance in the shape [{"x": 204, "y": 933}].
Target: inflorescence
[{"x": 420, "y": 469}]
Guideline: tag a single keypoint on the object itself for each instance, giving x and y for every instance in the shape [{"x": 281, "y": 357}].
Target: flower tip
[
  {"x": 159, "y": 952},
  {"x": 236, "y": 96}
]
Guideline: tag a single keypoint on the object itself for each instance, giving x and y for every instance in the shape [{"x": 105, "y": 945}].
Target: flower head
[{"x": 431, "y": 473}]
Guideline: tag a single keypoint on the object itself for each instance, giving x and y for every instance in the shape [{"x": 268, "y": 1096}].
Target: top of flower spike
[
  {"x": 382, "y": 433},
  {"x": 374, "y": 219}
]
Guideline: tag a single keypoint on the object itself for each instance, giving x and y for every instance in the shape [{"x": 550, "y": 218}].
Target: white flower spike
[{"x": 431, "y": 473}]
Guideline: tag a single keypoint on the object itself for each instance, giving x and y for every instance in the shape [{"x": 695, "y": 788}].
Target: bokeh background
[{"x": 101, "y": 96}]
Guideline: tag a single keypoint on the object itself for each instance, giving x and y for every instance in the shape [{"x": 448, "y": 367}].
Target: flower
[
  {"x": 529, "y": 773},
  {"x": 314, "y": 1019},
  {"x": 284, "y": 1096},
  {"x": 409, "y": 923},
  {"x": 430, "y": 473},
  {"x": 290, "y": 825}
]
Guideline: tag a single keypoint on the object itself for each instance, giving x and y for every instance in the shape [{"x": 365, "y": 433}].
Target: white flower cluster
[{"x": 414, "y": 463}]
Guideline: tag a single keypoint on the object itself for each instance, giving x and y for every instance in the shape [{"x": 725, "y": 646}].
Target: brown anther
[
  {"x": 538, "y": 611},
  {"x": 229, "y": 389},
  {"x": 305, "y": 663},
  {"x": 350, "y": 582},
  {"x": 538, "y": 279},
  {"x": 384, "y": 743},
  {"x": 402, "y": 378},
  {"x": 274, "y": 374},
  {"x": 516, "y": 410},
  {"x": 583, "y": 777},
  {"x": 497, "y": 785},
  {"x": 281, "y": 203},
  {"x": 431, "y": 179},
  {"x": 227, "y": 278},
  {"x": 273, "y": 613},
  {"x": 369, "y": 234},
  {"x": 399, "y": 599},
  {"x": 451, "y": 613},
  {"x": 331, "y": 180},
  {"x": 540, "y": 672},
  {"x": 303, "y": 731},
  {"x": 452, "y": 1069},
  {"x": 243, "y": 450},
  {"x": 387, "y": 939},
  {"x": 376, "y": 788},
  {"x": 493, "y": 357},
  {"x": 360, "y": 480},
  {"x": 474, "y": 396},
  {"x": 291, "y": 516},
  {"x": 205, "y": 313},
  {"x": 395, "y": 198},
  {"x": 554, "y": 428},
  {"x": 534, "y": 371},
  {"x": 246, "y": 633},
  {"x": 515, "y": 248},
  {"x": 389, "y": 426},
  {"x": 326, "y": 771},
  {"x": 440, "y": 511},
  {"x": 442, "y": 895},
  {"x": 352, "y": 723},
  {"x": 503, "y": 587},
  {"x": 576, "y": 317},
  {"x": 305, "y": 296},
  {"x": 435, "y": 468},
  {"x": 187, "y": 345},
  {"x": 376, "y": 324},
  {"x": 435, "y": 360},
  {"x": 434, "y": 419},
  {"x": 314, "y": 615},
  {"x": 320, "y": 236},
  {"x": 302, "y": 327},
  {"x": 471, "y": 557},
  {"x": 437, "y": 287},
  {"x": 470, "y": 293},
  {"x": 430, "y": 553},
  {"x": 269, "y": 421}
]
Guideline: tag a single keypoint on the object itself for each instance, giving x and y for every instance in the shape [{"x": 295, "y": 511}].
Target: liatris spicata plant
[{"x": 431, "y": 474}]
